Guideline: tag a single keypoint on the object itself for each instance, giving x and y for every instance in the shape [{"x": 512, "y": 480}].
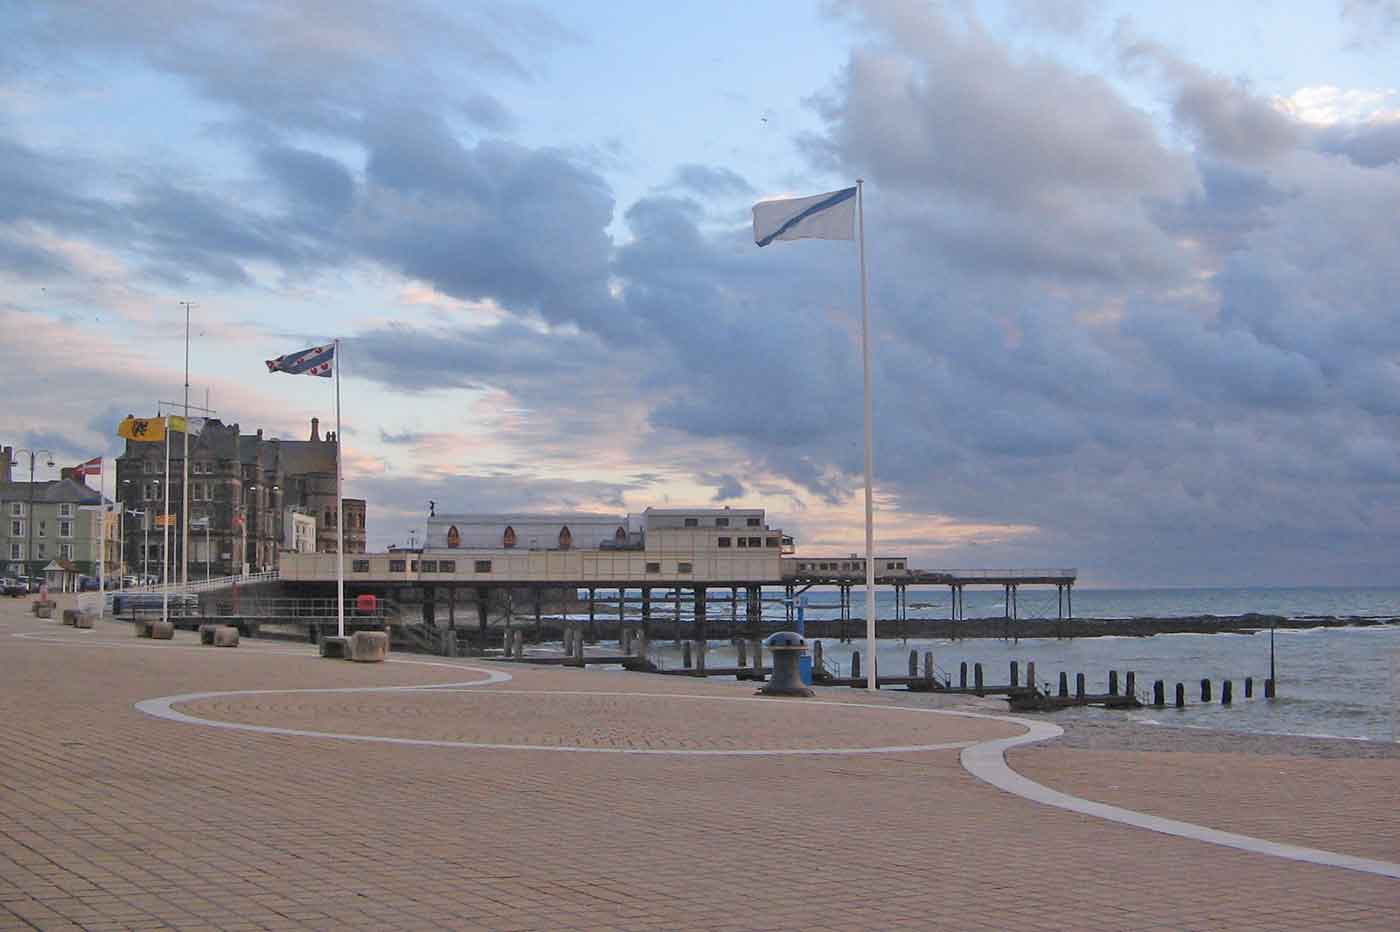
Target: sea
[{"x": 1332, "y": 682}]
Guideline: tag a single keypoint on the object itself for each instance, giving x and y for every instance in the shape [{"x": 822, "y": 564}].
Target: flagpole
[
  {"x": 339, "y": 505},
  {"x": 185, "y": 485},
  {"x": 102, "y": 537},
  {"x": 871, "y": 680},
  {"x": 165, "y": 532}
]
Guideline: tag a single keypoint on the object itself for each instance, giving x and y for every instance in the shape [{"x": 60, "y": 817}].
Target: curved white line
[
  {"x": 987, "y": 762},
  {"x": 163, "y": 707}
]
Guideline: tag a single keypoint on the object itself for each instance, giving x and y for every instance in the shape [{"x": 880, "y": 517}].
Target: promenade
[{"x": 167, "y": 785}]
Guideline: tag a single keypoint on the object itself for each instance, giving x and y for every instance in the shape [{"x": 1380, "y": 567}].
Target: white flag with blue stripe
[{"x": 821, "y": 216}]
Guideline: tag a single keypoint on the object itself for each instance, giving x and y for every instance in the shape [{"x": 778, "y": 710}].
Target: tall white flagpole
[
  {"x": 871, "y": 680},
  {"x": 102, "y": 534},
  {"x": 165, "y": 539},
  {"x": 185, "y": 485},
  {"x": 339, "y": 506}
]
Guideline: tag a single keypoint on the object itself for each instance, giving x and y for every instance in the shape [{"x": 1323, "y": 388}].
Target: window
[
  {"x": 684, "y": 568},
  {"x": 447, "y": 566},
  {"x": 43, "y": 550},
  {"x": 14, "y": 552},
  {"x": 65, "y": 551},
  {"x": 483, "y": 566},
  {"x": 65, "y": 510},
  {"x": 65, "y": 529},
  {"x": 723, "y": 542},
  {"x": 743, "y": 541},
  {"x": 755, "y": 541},
  {"x": 359, "y": 566},
  {"x": 16, "y": 509},
  {"x": 721, "y": 522},
  {"x": 772, "y": 542},
  {"x": 396, "y": 566},
  {"x": 430, "y": 566},
  {"x": 753, "y": 522},
  {"x": 413, "y": 566},
  {"x": 151, "y": 491},
  {"x": 43, "y": 528},
  {"x": 692, "y": 522},
  {"x": 653, "y": 567},
  {"x": 16, "y": 528}
]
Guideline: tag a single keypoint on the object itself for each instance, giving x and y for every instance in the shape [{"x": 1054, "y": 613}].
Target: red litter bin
[{"x": 366, "y": 603}]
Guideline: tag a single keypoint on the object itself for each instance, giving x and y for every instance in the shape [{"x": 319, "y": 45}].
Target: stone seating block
[
  {"x": 206, "y": 633},
  {"x": 336, "y": 648},
  {"x": 369, "y": 646},
  {"x": 143, "y": 627},
  {"x": 225, "y": 636},
  {"x": 84, "y": 620},
  {"x": 44, "y": 609},
  {"x": 163, "y": 630},
  {"x": 70, "y": 616}
]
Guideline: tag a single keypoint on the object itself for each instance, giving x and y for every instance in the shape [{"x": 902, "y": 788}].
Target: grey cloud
[
  {"x": 403, "y": 438},
  {"x": 727, "y": 486},
  {"x": 1372, "y": 144},
  {"x": 712, "y": 181}
]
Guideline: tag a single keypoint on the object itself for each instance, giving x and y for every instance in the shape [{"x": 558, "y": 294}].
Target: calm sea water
[{"x": 1336, "y": 682}]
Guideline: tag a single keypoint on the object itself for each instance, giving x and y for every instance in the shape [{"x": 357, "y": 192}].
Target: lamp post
[
  {"x": 29, "y": 516},
  {"x": 145, "y": 545}
]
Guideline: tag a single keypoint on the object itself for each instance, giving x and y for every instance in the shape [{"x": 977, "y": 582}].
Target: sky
[{"x": 1133, "y": 266}]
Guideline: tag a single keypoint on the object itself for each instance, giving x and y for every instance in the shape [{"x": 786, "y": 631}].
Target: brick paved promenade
[{"x": 113, "y": 818}]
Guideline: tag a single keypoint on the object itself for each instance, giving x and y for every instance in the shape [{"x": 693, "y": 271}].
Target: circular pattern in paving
[{"x": 621, "y": 722}]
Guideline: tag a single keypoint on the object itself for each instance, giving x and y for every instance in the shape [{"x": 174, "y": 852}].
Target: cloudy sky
[{"x": 1134, "y": 266}]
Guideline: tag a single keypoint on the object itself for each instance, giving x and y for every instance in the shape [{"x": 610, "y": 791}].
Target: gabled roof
[{"x": 51, "y": 492}]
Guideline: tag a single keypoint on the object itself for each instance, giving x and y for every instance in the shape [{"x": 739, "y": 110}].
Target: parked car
[
  {"x": 14, "y": 588},
  {"x": 87, "y": 583}
]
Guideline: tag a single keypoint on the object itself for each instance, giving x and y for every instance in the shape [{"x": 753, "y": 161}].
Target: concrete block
[
  {"x": 44, "y": 609},
  {"x": 336, "y": 648},
  {"x": 143, "y": 627},
  {"x": 70, "y": 616},
  {"x": 84, "y": 620},
  {"x": 225, "y": 636},
  {"x": 163, "y": 630},
  {"x": 369, "y": 646},
  {"x": 206, "y": 633}
]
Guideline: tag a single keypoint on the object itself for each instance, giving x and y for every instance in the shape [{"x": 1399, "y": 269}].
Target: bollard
[
  {"x": 1030, "y": 673},
  {"x": 1159, "y": 694},
  {"x": 757, "y": 654},
  {"x": 1079, "y": 685},
  {"x": 1249, "y": 687},
  {"x": 818, "y": 659},
  {"x": 1015, "y": 673},
  {"x": 787, "y": 648},
  {"x": 686, "y": 660},
  {"x": 977, "y": 677},
  {"x": 1268, "y": 689},
  {"x": 1130, "y": 683},
  {"x": 1180, "y": 695},
  {"x": 626, "y": 642},
  {"x": 1227, "y": 690},
  {"x": 1205, "y": 690},
  {"x": 519, "y": 644},
  {"x": 855, "y": 664},
  {"x": 928, "y": 664},
  {"x": 1064, "y": 685},
  {"x": 506, "y": 641},
  {"x": 913, "y": 664},
  {"x": 743, "y": 648},
  {"x": 962, "y": 675},
  {"x": 1113, "y": 682},
  {"x": 578, "y": 647}
]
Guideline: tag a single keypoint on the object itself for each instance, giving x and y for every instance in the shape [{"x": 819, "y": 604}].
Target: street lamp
[
  {"x": 29, "y": 518},
  {"x": 145, "y": 546}
]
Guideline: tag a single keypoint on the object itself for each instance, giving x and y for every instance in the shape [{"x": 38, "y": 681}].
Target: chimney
[
  {"x": 67, "y": 473},
  {"x": 7, "y": 455},
  {"x": 315, "y": 428},
  {"x": 259, "y": 433}
]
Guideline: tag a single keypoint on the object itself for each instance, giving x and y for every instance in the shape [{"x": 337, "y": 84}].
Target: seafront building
[
  {"x": 51, "y": 528},
  {"x": 252, "y": 499}
]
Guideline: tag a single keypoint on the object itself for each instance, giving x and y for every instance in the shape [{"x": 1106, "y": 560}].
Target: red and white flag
[{"x": 92, "y": 467}]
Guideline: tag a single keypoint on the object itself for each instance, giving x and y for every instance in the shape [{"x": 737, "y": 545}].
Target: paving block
[{"x": 369, "y": 646}]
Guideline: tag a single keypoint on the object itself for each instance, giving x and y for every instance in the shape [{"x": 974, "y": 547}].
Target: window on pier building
[
  {"x": 430, "y": 566},
  {"x": 359, "y": 566},
  {"x": 722, "y": 542},
  {"x": 721, "y": 522},
  {"x": 483, "y": 566},
  {"x": 447, "y": 566},
  {"x": 653, "y": 567},
  {"x": 685, "y": 568},
  {"x": 397, "y": 566},
  {"x": 692, "y": 522},
  {"x": 752, "y": 522},
  {"x": 743, "y": 541},
  {"x": 772, "y": 542},
  {"x": 508, "y": 538},
  {"x": 755, "y": 541},
  {"x": 413, "y": 566}
]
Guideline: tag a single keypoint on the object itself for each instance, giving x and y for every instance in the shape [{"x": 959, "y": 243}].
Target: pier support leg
[
  {"x": 1130, "y": 683},
  {"x": 1079, "y": 686},
  {"x": 855, "y": 665},
  {"x": 701, "y": 634},
  {"x": 1249, "y": 687},
  {"x": 676, "y": 614},
  {"x": 742, "y": 647},
  {"x": 962, "y": 675},
  {"x": 977, "y": 678},
  {"x": 1113, "y": 682},
  {"x": 1181, "y": 695},
  {"x": 1159, "y": 694},
  {"x": 483, "y": 611},
  {"x": 1064, "y": 685},
  {"x": 1205, "y": 690},
  {"x": 1030, "y": 674},
  {"x": 1227, "y": 692},
  {"x": 913, "y": 664},
  {"x": 646, "y": 620},
  {"x": 592, "y": 616},
  {"x": 539, "y": 605},
  {"x": 1015, "y": 673}
]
